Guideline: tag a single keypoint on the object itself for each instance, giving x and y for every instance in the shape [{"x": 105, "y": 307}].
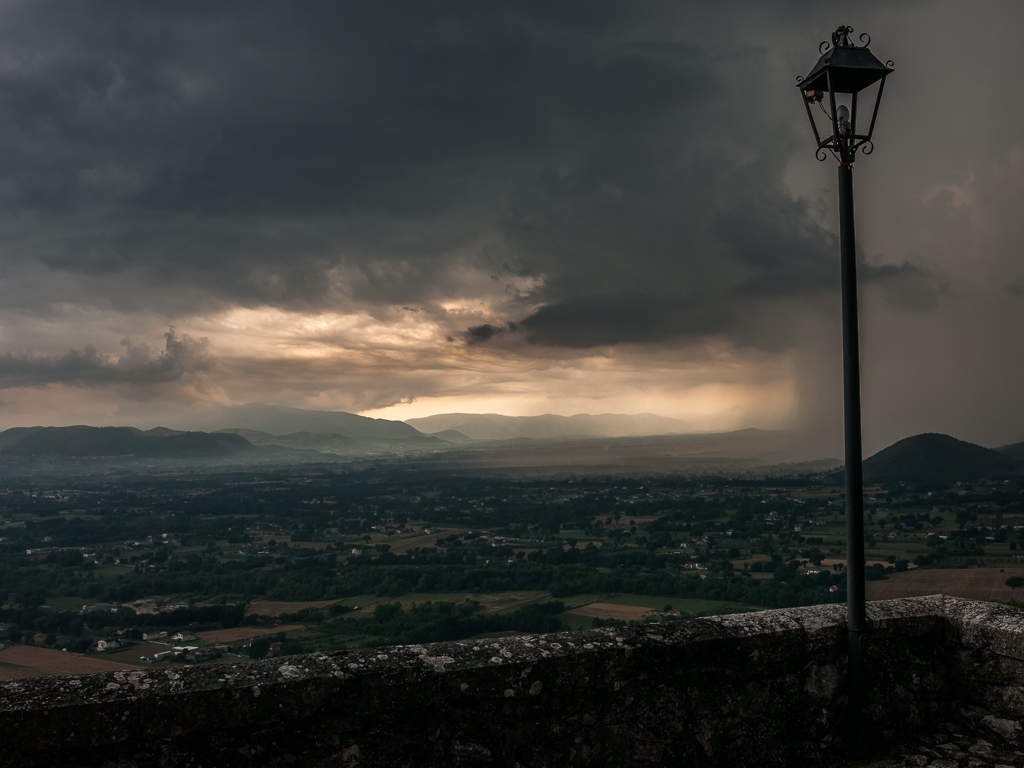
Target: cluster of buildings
[
  {"x": 192, "y": 653},
  {"x": 41, "y": 550}
]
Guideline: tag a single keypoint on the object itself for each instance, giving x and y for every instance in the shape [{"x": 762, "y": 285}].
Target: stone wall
[
  {"x": 764, "y": 689},
  {"x": 986, "y": 666}
]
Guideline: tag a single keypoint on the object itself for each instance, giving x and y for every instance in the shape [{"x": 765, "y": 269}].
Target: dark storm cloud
[
  {"x": 481, "y": 333},
  {"x": 240, "y": 151},
  {"x": 906, "y": 285},
  {"x": 195, "y": 156},
  {"x": 785, "y": 253},
  {"x": 256, "y": 108},
  {"x": 589, "y": 321},
  {"x": 87, "y": 367}
]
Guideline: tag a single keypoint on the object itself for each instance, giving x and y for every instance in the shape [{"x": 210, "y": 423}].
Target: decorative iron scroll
[{"x": 841, "y": 37}]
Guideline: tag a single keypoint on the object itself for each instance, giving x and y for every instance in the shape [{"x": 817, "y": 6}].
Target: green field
[
  {"x": 687, "y": 605},
  {"x": 68, "y": 603},
  {"x": 507, "y": 602},
  {"x": 499, "y": 602}
]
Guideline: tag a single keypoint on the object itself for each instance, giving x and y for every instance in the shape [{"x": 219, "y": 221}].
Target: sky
[{"x": 404, "y": 208}]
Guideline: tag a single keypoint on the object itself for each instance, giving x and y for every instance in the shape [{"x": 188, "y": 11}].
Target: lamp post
[{"x": 844, "y": 71}]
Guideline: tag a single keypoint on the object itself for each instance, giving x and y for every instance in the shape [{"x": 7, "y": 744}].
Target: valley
[{"x": 250, "y": 562}]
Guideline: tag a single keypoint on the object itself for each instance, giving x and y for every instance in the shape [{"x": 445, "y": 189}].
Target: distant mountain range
[
  {"x": 451, "y": 436},
  {"x": 323, "y": 441},
  {"x": 282, "y": 420},
  {"x": 231, "y": 444},
  {"x": 493, "y": 426},
  {"x": 330, "y": 442},
  {"x": 935, "y": 458},
  {"x": 264, "y": 432},
  {"x": 118, "y": 441},
  {"x": 269, "y": 434}
]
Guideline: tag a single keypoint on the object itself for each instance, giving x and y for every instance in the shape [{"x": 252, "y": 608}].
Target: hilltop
[{"x": 933, "y": 458}]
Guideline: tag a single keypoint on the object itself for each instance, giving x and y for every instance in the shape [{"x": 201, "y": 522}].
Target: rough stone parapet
[{"x": 765, "y": 689}]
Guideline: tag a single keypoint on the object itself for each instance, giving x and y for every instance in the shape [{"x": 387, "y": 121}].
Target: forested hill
[
  {"x": 933, "y": 458},
  {"x": 1015, "y": 451},
  {"x": 123, "y": 441}
]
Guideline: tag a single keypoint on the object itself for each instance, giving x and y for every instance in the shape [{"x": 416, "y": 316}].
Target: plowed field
[
  {"x": 609, "y": 611},
  {"x": 276, "y": 609},
  {"x": 972, "y": 583},
  {"x": 52, "y": 662},
  {"x": 244, "y": 633},
  {"x": 13, "y": 672}
]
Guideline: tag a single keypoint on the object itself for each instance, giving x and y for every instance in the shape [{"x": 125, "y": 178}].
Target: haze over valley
[{"x": 582, "y": 444}]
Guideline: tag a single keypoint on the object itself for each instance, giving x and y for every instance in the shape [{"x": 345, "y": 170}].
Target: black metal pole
[{"x": 856, "y": 621}]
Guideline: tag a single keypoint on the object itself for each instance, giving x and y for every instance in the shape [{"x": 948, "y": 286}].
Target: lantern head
[{"x": 843, "y": 71}]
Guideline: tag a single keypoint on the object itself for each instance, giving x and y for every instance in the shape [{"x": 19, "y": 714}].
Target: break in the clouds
[{"x": 366, "y": 206}]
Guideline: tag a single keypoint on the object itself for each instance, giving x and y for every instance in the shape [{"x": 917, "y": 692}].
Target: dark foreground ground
[{"x": 955, "y": 746}]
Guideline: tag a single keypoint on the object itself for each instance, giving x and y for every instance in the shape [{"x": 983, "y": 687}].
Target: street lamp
[{"x": 843, "y": 72}]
